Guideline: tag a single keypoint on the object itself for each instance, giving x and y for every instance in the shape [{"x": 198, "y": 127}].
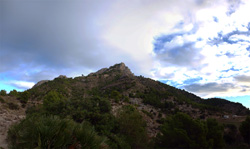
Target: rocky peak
[
  {"x": 120, "y": 68},
  {"x": 62, "y": 77}
]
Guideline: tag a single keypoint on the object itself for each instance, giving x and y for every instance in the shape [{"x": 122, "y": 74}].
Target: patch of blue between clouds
[
  {"x": 231, "y": 69},
  {"x": 245, "y": 100},
  {"x": 170, "y": 82},
  {"x": 248, "y": 48},
  {"x": 192, "y": 80},
  {"x": 216, "y": 19},
  {"x": 227, "y": 37},
  {"x": 4, "y": 85},
  {"x": 8, "y": 88},
  {"x": 160, "y": 41}
]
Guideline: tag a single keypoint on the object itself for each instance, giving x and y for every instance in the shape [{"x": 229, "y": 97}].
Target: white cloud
[
  {"x": 21, "y": 84},
  {"x": 221, "y": 32}
]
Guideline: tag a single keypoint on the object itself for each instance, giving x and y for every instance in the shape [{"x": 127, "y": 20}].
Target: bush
[
  {"x": 215, "y": 133},
  {"x": 115, "y": 95},
  {"x": 13, "y": 93},
  {"x": 24, "y": 97},
  {"x": 245, "y": 130},
  {"x": 230, "y": 134},
  {"x": 53, "y": 132},
  {"x": 181, "y": 131},
  {"x": 3, "y": 92},
  {"x": 2, "y": 100},
  {"x": 104, "y": 105},
  {"x": 13, "y": 106},
  {"x": 132, "y": 127}
]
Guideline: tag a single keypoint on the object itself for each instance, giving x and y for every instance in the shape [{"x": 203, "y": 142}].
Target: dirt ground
[{"x": 8, "y": 117}]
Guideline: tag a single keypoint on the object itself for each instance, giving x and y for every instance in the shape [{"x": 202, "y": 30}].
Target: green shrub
[
  {"x": 181, "y": 131},
  {"x": 13, "y": 106},
  {"x": 3, "y": 93},
  {"x": 24, "y": 97},
  {"x": 230, "y": 135},
  {"x": 2, "y": 100},
  {"x": 132, "y": 127},
  {"x": 53, "y": 132},
  {"x": 115, "y": 95},
  {"x": 245, "y": 130},
  {"x": 14, "y": 93},
  {"x": 148, "y": 113},
  {"x": 215, "y": 133}
]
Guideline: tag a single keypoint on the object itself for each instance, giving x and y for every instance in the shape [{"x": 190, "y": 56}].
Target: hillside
[
  {"x": 119, "y": 78},
  {"x": 101, "y": 98}
]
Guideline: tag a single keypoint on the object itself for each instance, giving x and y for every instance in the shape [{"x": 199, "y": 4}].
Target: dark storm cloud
[
  {"x": 242, "y": 78},
  {"x": 56, "y": 34},
  {"x": 209, "y": 87},
  {"x": 159, "y": 43}
]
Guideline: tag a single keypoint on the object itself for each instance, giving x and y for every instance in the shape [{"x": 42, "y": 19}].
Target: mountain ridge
[{"x": 121, "y": 71}]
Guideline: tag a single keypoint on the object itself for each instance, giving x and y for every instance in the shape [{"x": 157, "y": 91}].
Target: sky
[{"x": 202, "y": 46}]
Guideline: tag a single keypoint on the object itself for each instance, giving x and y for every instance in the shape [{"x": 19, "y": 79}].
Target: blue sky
[{"x": 202, "y": 46}]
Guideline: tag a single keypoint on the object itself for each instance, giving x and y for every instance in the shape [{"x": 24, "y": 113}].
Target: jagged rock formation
[
  {"x": 62, "y": 77},
  {"x": 121, "y": 68}
]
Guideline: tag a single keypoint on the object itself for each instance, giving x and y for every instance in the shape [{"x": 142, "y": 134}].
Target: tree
[
  {"x": 215, "y": 133},
  {"x": 245, "y": 130},
  {"x": 132, "y": 127},
  {"x": 53, "y": 102},
  {"x": 13, "y": 93},
  {"x": 181, "y": 131},
  {"x": 230, "y": 134},
  {"x": 3, "y": 92},
  {"x": 24, "y": 97}
]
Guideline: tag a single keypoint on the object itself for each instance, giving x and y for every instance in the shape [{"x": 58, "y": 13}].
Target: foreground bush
[
  {"x": 245, "y": 130},
  {"x": 132, "y": 127},
  {"x": 181, "y": 131},
  {"x": 53, "y": 132}
]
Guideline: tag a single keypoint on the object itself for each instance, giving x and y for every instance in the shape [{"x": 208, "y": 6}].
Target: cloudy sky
[{"x": 202, "y": 46}]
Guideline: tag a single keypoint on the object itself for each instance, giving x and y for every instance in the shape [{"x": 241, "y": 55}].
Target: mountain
[
  {"x": 150, "y": 92},
  {"x": 99, "y": 98},
  {"x": 152, "y": 97}
]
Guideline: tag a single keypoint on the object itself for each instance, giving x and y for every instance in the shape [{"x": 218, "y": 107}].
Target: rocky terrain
[{"x": 10, "y": 113}]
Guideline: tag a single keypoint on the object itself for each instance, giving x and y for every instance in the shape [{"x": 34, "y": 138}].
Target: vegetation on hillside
[
  {"x": 53, "y": 132},
  {"x": 114, "y": 109},
  {"x": 181, "y": 131}
]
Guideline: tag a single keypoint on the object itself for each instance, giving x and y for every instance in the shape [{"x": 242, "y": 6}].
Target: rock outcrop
[
  {"x": 117, "y": 68},
  {"x": 40, "y": 83}
]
